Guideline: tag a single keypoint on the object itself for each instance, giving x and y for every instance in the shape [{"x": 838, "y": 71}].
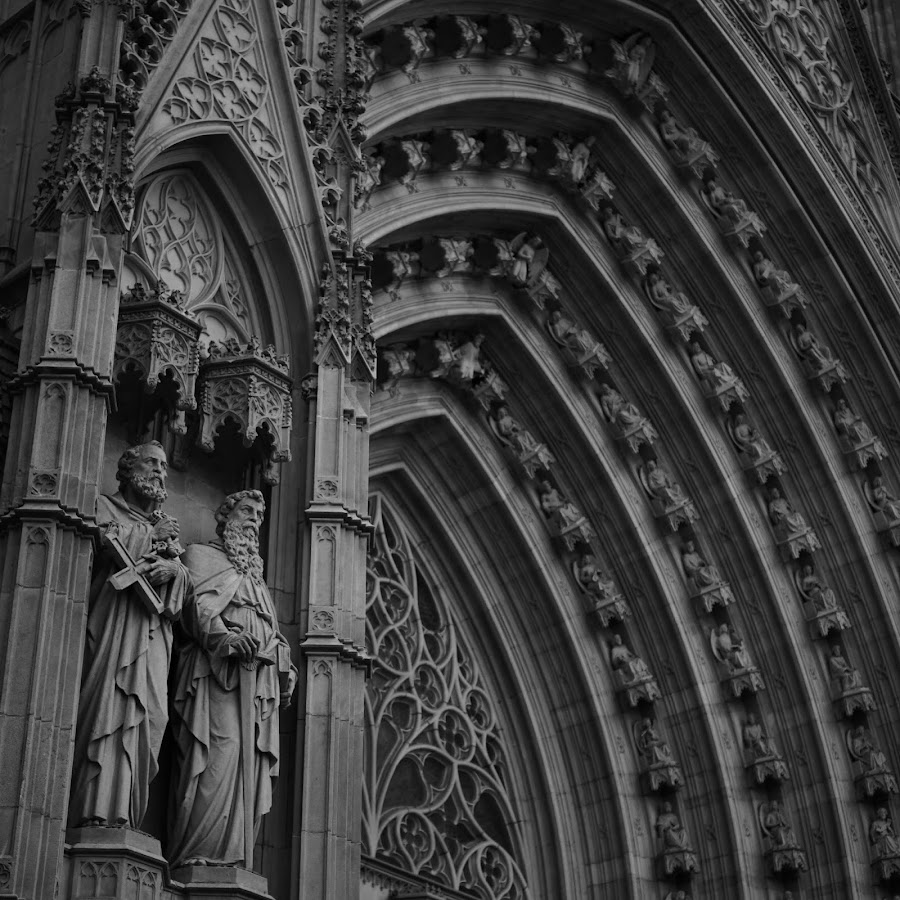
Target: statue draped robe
[
  {"x": 123, "y": 706},
  {"x": 206, "y": 818}
]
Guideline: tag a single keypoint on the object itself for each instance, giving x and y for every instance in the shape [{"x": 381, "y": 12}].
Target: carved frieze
[
  {"x": 250, "y": 386},
  {"x": 157, "y": 336}
]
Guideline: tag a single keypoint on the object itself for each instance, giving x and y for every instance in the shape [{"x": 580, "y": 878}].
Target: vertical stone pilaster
[
  {"x": 59, "y": 399},
  {"x": 333, "y": 647}
]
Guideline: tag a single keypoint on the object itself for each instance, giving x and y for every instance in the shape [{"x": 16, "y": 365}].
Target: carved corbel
[
  {"x": 250, "y": 386},
  {"x": 157, "y": 336}
]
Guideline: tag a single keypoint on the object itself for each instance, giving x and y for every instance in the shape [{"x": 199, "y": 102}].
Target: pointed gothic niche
[
  {"x": 436, "y": 803},
  {"x": 193, "y": 348}
]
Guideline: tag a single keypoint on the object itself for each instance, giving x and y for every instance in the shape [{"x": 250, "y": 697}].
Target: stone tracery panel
[{"x": 435, "y": 797}]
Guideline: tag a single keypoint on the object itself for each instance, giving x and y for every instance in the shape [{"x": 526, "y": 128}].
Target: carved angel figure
[
  {"x": 458, "y": 254},
  {"x": 665, "y": 298},
  {"x": 684, "y": 144},
  {"x": 697, "y": 569},
  {"x": 632, "y": 62},
  {"x": 719, "y": 375},
  {"x": 768, "y": 275},
  {"x": 842, "y": 672},
  {"x": 851, "y": 425},
  {"x": 662, "y": 487},
  {"x": 466, "y": 360},
  {"x": 509, "y": 429},
  {"x": 633, "y": 668},
  {"x": 597, "y": 187},
  {"x": 883, "y": 500},
  {"x": 881, "y": 835},
  {"x": 400, "y": 361},
  {"x": 403, "y": 263},
  {"x": 517, "y": 151},
  {"x": 755, "y": 739},
  {"x": 468, "y": 149},
  {"x": 417, "y": 38},
  {"x": 368, "y": 179},
  {"x": 529, "y": 259},
  {"x": 416, "y": 158},
  {"x": 651, "y": 745},
  {"x": 579, "y": 159},
  {"x": 729, "y": 649},
  {"x": 670, "y": 829},
  {"x": 816, "y": 591},
  {"x": 783, "y": 516},
  {"x": 748, "y": 438}
]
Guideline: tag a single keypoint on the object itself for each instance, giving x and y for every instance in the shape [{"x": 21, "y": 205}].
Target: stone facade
[{"x": 548, "y": 355}]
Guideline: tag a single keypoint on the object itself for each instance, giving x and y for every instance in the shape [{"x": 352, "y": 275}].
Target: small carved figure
[
  {"x": 579, "y": 160},
  {"x": 881, "y": 835},
  {"x": 418, "y": 39},
  {"x": 467, "y": 361},
  {"x": 685, "y": 146},
  {"x": 851, "y": 425},
  {"x": 729, "y": 649},
  {"x": 468, "y": 149},
  {"x": 777, "y": 828},
  {"x": 632, "y": 70},
  {"x": 818, "y": 357},
  {"x": 617, "y": 409},
  {"x": 580, "y": 348},
  {"x": 775, "y": 280},
  {"x": 813, "y": 589},
  {"x": 517, "y": 151},
  {"x": 670, "y": 829},
  {"x": 662, "y": 486},
  {"x": 416, "y": 157},
  {"x": 231, "y": 676},
  {"x": 458, "y": 254},
  {"x": 509, "y": 429},
  {"x": 666, "y": 299},
  {"x": 755, "y": 739},
  {"x": 718, "y": 375},
  {"x": 592, "y": 578},
  {"x": 400, "y": 361},
  {"x": 651, "y": 745},
  {"x": 631, "y": 666},
  {"x": 403, "y": 263},
  {"x": 864, "y": 751},
  {"x": 701, "y": 573},
  {"x": 555, "y": 506},
  {"x": 138, "y": 588},
  {"x": 883, "y": 500},
  {"x": 784, "y": 517},
  {"x": 625, "y": 238},
  {"x": 846, "y": 676},
  {"x": 724, "y": 204},
  {"x": 368, "y": 179},
  {"x": 749, "y": 440},
  {"x": 529, "y": 259}
]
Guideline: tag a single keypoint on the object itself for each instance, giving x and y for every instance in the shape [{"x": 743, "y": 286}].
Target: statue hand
[
  {"x": 158, "y": 571},
  {"x": 244, "y": 645}
]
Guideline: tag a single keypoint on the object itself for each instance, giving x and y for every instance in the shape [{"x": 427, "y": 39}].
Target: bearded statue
[
  {"x": 232, "y": 674},
  {"x": 138, "y": 587}
]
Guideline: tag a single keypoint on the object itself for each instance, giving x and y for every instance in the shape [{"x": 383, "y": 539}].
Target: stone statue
[
  {"x": 631, "y": 666},
  {"x": 685, "y": 146},
  {"x": 509, "y": 430},
  {"x": 864, "y": 751},
  {"x": 816, "y": 591},
  {"x": 555, "y": 506},
  {"x": 665, "y": 298},
  {"x": 651, "y": 745},
  {"x": 467, "y": 360},
  {"x": 777, "y": 828},
  {"x": 579, "y": 160},
  {"x": 749, "y": 440},
  {"x": 138, "y": 587},
  {"x": 529, "y": 258},
  {"x": 670, "y": 829},
  {"x": 626, "y": 238},
  {"x": 818, "y": 357},
  {"x": 719, "y": 375},
  {"x": 368, "y": 179},
  {"x": 592, "y": 578},
  {"x": 784, "y": 516},
  {"x": 618, "y": 410},
  {"x": 755, "y": 739},
  {"x": 598, "y": 186},
  {"x": 232, "y": 675},
  {"x": 881, "y": 835},
  {"x": 851, "y": 425},
  {"x": 729, "y": 649},
  {"x": 769, "y": 276},
  {"x": 662, "y": 487},
  {"x": 701, "y": 573},
  {"x": 725, "y": 204},
  {"x": 883, "y": 500},
  {"x": 842, "y": 672}
]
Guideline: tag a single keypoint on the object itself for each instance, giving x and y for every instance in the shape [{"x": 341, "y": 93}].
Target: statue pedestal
[{"x": 122, "y": 864}]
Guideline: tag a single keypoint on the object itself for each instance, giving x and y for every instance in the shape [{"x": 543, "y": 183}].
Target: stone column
[
  {"x": 60, "y": 396},
  {"x": 331, "y": 758}
]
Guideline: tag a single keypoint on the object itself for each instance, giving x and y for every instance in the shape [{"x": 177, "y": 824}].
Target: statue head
[
  {"x": 836, "y": 650},
  {"x": 142, "y": 472},
  {"x": 617, "y": 640},
  {"x": 238, "y": 519},
  {"x": 751, "y": 719},
  {"x": 688, "y": 546},
  {"x": 667, "y": 807}
]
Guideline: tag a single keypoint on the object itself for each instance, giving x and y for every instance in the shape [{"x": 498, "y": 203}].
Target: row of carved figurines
[{"x": 206, "y": 614}]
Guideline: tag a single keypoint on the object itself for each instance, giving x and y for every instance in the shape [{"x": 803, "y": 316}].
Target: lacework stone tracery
[{"x": 435, "y": 800}]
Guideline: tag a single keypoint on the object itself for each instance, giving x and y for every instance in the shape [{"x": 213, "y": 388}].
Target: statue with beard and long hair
[
  {"x": 231, "y": 676},
  {"x": 123, "y": 705}
]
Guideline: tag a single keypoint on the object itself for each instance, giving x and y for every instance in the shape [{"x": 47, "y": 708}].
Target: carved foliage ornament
[
  {"x": 249, "y": 386},
  {"x": 435, "y": 797}
]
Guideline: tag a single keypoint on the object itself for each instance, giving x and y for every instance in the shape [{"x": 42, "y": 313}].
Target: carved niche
[
  {"x": 250, "y": 386},
  {"x": 436, "y": 803},
  {"x": 157, "y": 336}
]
